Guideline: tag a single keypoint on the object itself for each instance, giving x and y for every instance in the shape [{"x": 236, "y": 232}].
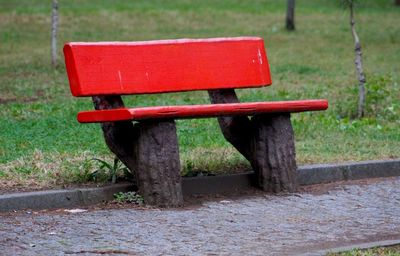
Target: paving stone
[{"x": 261, "y": 225}]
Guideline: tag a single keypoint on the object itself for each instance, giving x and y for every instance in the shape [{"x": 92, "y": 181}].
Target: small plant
[
  {"x": 381, "y": 102},
  {"x": 108, "y": 170},
  {"x": 383, "y": 94},
  {"x": 129, "y": 197}
]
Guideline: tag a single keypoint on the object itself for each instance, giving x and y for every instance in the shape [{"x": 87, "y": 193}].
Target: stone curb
[
  {"x": 324, "y": 173},
  {"x": 64, "y": 198},
  {"x": 369, "y": 245},
  {"x": 308, "y": 175}
]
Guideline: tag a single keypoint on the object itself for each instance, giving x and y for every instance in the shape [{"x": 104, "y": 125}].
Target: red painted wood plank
[
  {"x": 200, "y": 111},
  {"x": 106, "y": 68}
]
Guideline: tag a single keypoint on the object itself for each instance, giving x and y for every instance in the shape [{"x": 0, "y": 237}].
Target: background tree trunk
[
  {"x": 358, "y": 63},
  {"x": 237, "y": 130},
  {"x": 290, "y": 15},
  {"x": 397, "y": 2},
  {"x": 54, "y": 29}
]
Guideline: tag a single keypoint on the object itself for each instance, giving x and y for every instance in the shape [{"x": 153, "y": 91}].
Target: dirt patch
[
  {"x": 18, "y": 100},
  {"x": 39, "y": 94}
]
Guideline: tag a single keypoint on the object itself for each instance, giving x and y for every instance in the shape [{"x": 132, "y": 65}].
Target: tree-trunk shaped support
[
  {"x": 274, "y": 157},
  {"x": 267, "y": 142},
  {"x": 156, "y": 157},
  {"x": 150, "y": 150}
]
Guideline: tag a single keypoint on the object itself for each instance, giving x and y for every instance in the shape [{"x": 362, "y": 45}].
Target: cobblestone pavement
[{"x": 260, "y": 225}]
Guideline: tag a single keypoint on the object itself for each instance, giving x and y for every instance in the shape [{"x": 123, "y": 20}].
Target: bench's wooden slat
[
  {"x": 200, "y": 111},
  {"x": 113, "y": 68}
]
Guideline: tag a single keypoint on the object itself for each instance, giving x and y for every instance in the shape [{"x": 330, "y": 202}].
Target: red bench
[{"x": 106, "y": 70}]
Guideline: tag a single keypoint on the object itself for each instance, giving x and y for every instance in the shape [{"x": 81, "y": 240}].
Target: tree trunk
[
  {"x": 397, "y": 2},
  {"x": 119, "y": 136},
  {"x": 54, "y": 28},
  {"x": 157, "y": 162},
  {"x": 359, "y": 66},
  {"x": 274, "y": 154},
  {"x": 267, "y": 141},
  {"x": 290, "y": 15},
  {"x": 236, "y": 129},
  {"x": 157, "y": 173}
]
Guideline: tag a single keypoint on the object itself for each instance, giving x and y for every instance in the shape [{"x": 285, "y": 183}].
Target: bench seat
[{"x": 200, "y": 111}]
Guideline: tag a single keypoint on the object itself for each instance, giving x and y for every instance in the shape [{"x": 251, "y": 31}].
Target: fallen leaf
[{"x": 75, "y": 210}]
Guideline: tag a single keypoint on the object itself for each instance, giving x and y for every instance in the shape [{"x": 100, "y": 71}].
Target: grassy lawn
[
  {"x": 379, "y": 251},
  {"x": 42, "y": 144}
]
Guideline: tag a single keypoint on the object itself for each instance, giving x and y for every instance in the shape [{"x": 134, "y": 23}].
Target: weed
[
  {"x": 129, "y": 197},
  {"x": 85, "y": 172},
  {"x": 383, "y": 98},
  {"x": 108, "y": 171},
  {"x": 381, "y": 102}
]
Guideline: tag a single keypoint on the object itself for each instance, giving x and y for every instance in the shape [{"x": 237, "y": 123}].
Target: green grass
[
  {"x": 379, "y": 251},
  {"x": 38, "y": 113}
]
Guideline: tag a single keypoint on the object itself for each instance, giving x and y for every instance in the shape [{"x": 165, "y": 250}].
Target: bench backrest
[{"x": 108, "y": 68}]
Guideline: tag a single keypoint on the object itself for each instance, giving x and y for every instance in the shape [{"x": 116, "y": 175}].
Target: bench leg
[
  {"x": 274, "y": 157},
  {"x": 266, "y": 141},
  {"x": 149, "y": 150},
  {"x": 119, "y": 136},
  {"x": 157, "y": 163}
]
